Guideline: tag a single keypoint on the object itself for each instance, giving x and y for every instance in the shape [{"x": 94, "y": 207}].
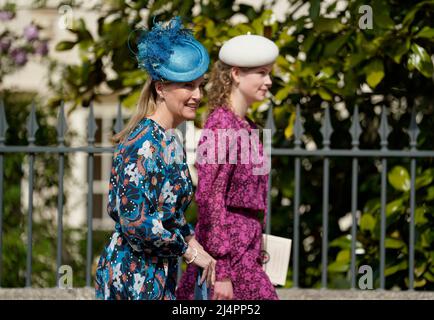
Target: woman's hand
[
  {"x": 191, "y": 240},
  {"x": 203, "y": 260},
  {"x": 223, "y": 290}
]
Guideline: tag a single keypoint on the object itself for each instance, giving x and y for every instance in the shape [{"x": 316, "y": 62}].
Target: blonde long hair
[
  {"x": 220, "y": 88},
  {"x": 146, "y": 107}
]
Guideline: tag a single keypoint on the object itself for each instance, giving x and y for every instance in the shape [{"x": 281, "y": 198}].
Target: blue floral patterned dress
[{"x": 150, "y": 189}]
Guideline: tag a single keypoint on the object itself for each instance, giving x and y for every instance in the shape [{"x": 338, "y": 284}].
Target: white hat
[{"x": 248, "y": 51}]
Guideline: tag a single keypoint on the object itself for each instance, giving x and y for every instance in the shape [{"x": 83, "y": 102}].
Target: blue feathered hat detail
[{"x": 170, "y": 52}]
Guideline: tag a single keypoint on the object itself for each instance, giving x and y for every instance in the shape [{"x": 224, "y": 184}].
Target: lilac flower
[
  {"x": 19, "y": 55},
  {"x": 41, "y": 47},
  {"x": 6, "y": 15},
  {"x": 5, "y": 44},
  {"x": 31, "y": 32}
]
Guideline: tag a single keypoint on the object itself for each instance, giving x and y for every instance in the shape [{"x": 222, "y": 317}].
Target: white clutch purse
[{"x": 276, "y": 252}]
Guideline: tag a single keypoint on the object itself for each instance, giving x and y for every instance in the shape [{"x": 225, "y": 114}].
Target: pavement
[{"x": 284, "y": 294}]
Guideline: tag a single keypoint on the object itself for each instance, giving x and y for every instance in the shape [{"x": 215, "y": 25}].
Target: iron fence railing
[{"x": 297, "y": 152}]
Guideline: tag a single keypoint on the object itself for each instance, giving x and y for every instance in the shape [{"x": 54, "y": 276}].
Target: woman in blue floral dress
[{"x": 150, "y": 186}]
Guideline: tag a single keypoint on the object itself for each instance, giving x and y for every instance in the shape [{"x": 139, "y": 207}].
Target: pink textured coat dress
[{"x": 230, "y": 197}]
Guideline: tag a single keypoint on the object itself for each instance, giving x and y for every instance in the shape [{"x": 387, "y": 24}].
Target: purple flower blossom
[
  {"x": 6, "y": 15},
  {"x": 41, "y": 47},
  {"x": 31, "y": 32},
  {"x": 5, "y": 44},
  {"x": 19, "y": 55}
]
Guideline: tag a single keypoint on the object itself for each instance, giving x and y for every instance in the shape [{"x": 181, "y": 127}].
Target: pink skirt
[{"x": 249, "y": 280}]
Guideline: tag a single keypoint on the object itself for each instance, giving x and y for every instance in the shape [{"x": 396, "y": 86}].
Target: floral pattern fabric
[
  {"x": 150, "y": 188},
  {"x": 229, "y": 198}
]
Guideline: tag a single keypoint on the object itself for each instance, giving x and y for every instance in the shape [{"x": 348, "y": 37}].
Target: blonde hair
[
  {"x": 146, "y": 107},
  {"x": 220, "y": 88}
]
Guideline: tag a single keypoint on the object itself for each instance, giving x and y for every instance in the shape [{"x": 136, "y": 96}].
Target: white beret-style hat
[{"x": 248, "y": 51}]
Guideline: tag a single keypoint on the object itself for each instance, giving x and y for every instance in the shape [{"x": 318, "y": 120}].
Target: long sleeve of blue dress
[{"x": 144, "y": 196}]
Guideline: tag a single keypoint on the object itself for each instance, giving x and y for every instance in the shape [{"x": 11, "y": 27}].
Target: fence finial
[
  {"x": 298, "y": 128},
  {"x": 269, "y": 124},
  {"x": 384, "y": 130},
  {"x": 119, "y": 121},
  {"x": 62, "y": 125},
  {"x": 32, "y": 124},
  {"x": 92, "y": 127},
  {"x": 3, "y": 122},
  {"x": 326, "y": 128},
  {"x": 413, "y": 130},
  {"x": 356, "y": 129}
]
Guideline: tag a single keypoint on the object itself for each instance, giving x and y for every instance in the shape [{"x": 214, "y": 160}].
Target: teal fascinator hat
[{"x": 170, "y": 52}]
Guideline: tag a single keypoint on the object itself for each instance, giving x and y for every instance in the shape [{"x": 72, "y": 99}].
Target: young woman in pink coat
[{"x": 232, "y": 194}]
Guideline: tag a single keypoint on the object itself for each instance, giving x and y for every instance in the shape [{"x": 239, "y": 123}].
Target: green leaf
[
  {"x": 338, "y": 266},
  {"x": 332, "y": 7},
  {"x": 429, "y": 276},
  {"x": 334, "y": 46},
  {"x": 394, "y": 268},
  {"x": 420, "y": 269},
  {"x": 328, "y": 25},
  {"x": 399, "y": 178},
  {"x": 374, "y": 73},
  {"x": 367, "y": 222},
  {"x": 419, "y": 216},
  {"x": 396, "y": 49},
  {"x": 285, "y": 38},
  {"x": 343, "y": 242},
  {"x": 325, "y": 73},
  {"x": 426, "y": 32},
  {"x": 283, "y": 64},
  {"x": 430, "y": 194},
  {"x": 372, "y": 206},
  {"x": 425, "y": 240},
  {"x": 240, "y": 29},
  {"x": 393, "y": 207},
  {"x": 290, "y": 127},
  {"x": 408, "y": 19},
  {"x": 132, "y": 98},
  {"x": 351, "y": 83},
  {"x": 368, "y": 47},
  {"x": 391, "y": 243},
  {"x": 344, "y": 256},
  {"x": 116, "y": 32},
  {"x": 419, "y": 283},
  {"x": 307, "y": 71},
  {"x": 258, "y": 26},
  {"x": 419, "y": 59},
  {"x": 308, "y": 43},
  {"x": 85, "y": 44},
  {"x": 99, "y": 52},
  {"x": 425, "y": 178},
  {"x": 65, "y": 45},
  {"x": 381, "y": 13},
  {"x": 324, "y": 94},
  {"x": 314, "y": 9},
  {"x": 211, "y": 30},
  {"x": 283, "y": 93},
  {"x": 133, "y": 78},
  {"x": 79, "y": 28}
]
